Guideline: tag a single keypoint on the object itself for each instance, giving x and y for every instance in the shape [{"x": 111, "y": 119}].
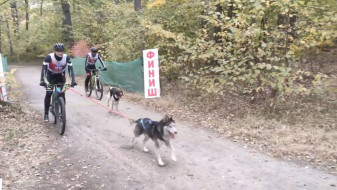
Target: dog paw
[
  {"x": 174, "y": 158},
  {"x": 145, "y": 149},
  {"x": 161, "y": 163}
]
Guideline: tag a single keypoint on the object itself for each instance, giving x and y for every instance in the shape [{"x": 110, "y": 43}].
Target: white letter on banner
[{"x": 151, "y": 73}]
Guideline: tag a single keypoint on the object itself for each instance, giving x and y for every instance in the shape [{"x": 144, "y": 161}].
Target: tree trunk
[
  {"x": 280, "y": 20},
  {"x": 74, "y": 6},
  {"x": 1, "y": 34},
  {"x": 217, "y": 29},
  {"x": 9, "y": 39},
  {"x": 138, "y": 5},
  {"x": 27, "y": 15},
  {"x": 203, "y": 21},
  {"x": 292, "y": 23},
  {"x": 231, "y": 13},
  {"x": 67, "y": 25},
  {"x": 15, "y": 17},
  {"x": 41, "y": 7}
]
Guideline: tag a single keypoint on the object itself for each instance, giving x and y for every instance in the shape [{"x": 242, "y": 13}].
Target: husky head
[
  {"x": 169, "y": 128},
  {"x": 118, "y": 94}
]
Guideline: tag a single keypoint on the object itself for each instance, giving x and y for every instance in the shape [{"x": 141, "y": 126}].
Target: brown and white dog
[
  {"x": 163, "y": 130},
  {"x": 116, "y": 94}
]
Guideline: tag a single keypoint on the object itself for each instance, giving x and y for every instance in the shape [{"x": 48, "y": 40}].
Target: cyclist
[
  {"x": 53, "y": 70},
  {"x": 90, "y": 61}
]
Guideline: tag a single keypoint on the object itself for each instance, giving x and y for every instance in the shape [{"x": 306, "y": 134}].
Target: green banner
[
  {"x": 128, "y": 76},
  {"x": 4, "y": 64}
]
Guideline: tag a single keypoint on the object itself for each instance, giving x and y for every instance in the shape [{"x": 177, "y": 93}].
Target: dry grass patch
[
  {"x": 22, "y": 147},
  {"x": 305, "y": 133}
]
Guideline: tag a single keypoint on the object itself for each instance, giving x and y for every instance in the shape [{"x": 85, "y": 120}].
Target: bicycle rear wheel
[
  {"x": 88, "y": 90},
  {"x": 99, "y": 89},
  {"x": 60, "y": 115}
]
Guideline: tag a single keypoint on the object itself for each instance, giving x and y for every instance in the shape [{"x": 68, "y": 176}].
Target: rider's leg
[
  {"x": 47, "y": 98},
  {"x": 87, "y": 79},
  {"x": 88, "y": 71},
  {"x": 49, "y": 92}
]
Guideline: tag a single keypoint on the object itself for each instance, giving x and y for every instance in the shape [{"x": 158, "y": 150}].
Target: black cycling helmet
[
  {"x": 59, "y": 47},
  {"x": 94, "y": 50}
]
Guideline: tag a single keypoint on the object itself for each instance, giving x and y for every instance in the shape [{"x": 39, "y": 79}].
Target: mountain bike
[
  {"x": 95, "y": 84},
  {"x": 57, "y": 106}
]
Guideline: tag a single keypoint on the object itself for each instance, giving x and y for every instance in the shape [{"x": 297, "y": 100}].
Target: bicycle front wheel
[
  {"x": 99, "y": 90},
  {"x": 54, "y": 110},
  {"x": 61, "y": 116}
]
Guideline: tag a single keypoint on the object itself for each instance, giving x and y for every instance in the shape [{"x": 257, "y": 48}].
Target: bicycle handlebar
[
  {"x": 96, "y": 70},
  {"x": 99, "y": 69},
  {"x": 65, "y": 86},
  {"x": 59, "y": 84}
]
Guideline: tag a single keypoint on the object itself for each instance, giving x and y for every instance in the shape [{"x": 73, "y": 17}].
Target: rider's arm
[
  {"x": 86, "y": 61},
  {"x": 99, "y": 58},
  {"x": 70, "y": 69},
  {"x": 46, "y": 62}
]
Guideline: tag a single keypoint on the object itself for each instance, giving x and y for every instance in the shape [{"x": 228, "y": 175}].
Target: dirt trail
[{"x": 91, "y": 153}]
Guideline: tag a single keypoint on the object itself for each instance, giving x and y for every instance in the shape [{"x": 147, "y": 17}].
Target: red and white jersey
[
  {"x": 57, "y": 66},
  {"x": 92, "y": 60}
]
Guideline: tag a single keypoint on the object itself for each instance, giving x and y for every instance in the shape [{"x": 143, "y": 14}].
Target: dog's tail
[
  {"x": 132, "y": 121},
  {"x": 109, "y": 89},
  {"x": 108, "y": 92}
]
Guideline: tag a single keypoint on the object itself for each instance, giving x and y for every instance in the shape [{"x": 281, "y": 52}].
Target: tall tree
[
  {"x": 0, "y": 34},
  {"x": 74, "y": 6},
  {"x": 9, "y": 39},
  {"x": 217, "y": 29},
  {"x": 67, "y": 24},
  {"x": 138, "y": 5},
  {"x": 27, "y": 15},
  {"x": 41, "y": 7},
  {"x": 15, "y": 17}
]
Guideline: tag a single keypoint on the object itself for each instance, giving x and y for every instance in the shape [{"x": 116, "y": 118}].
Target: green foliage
[
  {"x": 260, "y": 50},
  {"x": 249, "y": 48},
  {"x": 114, "y": 28},
  {"x": 11, "y": 84}
]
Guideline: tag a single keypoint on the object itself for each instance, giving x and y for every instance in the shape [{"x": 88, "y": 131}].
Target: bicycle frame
[
  {"x": 94, "y": 84},
  {"x": 93, "y": 78},
  {"x": 57, "y": 92}
]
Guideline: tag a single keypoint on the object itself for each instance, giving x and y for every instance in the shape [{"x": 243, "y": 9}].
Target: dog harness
[
  {"x": 153, "y": 127},
  {"x": 146, "y": 120}
]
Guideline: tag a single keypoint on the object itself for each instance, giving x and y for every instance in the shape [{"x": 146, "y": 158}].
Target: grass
[{"x": 303, "y": 129}]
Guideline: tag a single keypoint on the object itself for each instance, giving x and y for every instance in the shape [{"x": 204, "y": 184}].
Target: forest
[{"x": 255, "y": 50}]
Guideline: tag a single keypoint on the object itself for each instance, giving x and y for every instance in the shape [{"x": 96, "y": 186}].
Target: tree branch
[{"x": 4, "y": 2}]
